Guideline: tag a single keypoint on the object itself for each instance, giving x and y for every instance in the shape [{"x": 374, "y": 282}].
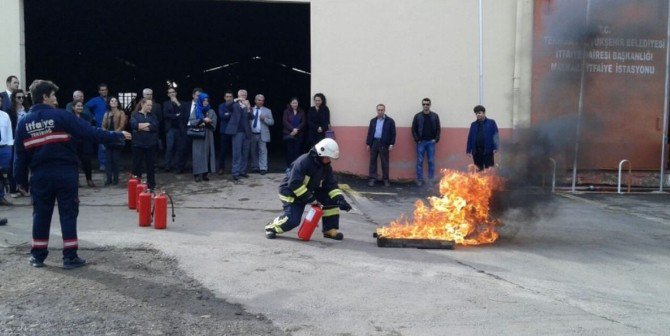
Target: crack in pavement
[{"x": 539, "y": 293}]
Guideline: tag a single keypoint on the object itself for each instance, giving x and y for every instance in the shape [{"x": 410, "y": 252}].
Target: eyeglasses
[
  {"x": 426, "y": 104},
  {"x": 19, "y": 97}
]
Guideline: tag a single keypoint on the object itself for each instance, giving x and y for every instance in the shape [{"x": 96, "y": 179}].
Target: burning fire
[{"x": 460, "y": 214}]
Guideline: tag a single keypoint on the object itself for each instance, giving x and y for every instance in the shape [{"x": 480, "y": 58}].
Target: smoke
[{"x": 531, "y": 155}]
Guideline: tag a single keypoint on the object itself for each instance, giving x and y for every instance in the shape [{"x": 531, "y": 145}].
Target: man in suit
[
  {"x": 12, "y": 85},
  {"x": 172, "y": 112},
  {"x": 224, "y": 117},
  {"x": 260, "y": 135},
  {"x": 380, "y": 141},
  {"x": 239, "y": 129}
]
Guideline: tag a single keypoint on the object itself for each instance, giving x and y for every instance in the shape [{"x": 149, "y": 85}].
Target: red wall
[{"x": 449, "y": 152}]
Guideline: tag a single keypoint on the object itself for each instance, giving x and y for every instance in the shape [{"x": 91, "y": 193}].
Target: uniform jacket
[
  {"x": 490, "y": 137},
  {"x": 388, "y": 132},
  {"x": 144, "y": 139},
  {"x": 417, "y": 126},
  {"x": 307, "y": 174},
  {"x": 265, "y": 124},
  {"x": 44, "y": 140}
]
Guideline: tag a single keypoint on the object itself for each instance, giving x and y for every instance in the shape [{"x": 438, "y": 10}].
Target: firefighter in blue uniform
[
  {"x": 45, "y": 144},
  {"x": 311, "y": 181}
]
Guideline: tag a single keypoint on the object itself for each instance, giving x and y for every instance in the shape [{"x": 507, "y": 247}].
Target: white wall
[
  {"x": 12, "y": 48},
  {"x": 397, "y": 52}
]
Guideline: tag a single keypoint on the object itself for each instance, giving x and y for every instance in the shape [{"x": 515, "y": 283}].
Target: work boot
[
  {"x": 274, "y": 227},
  {"x": 270, "y": 234},
  {"x": 70, "y": 263},
  {"x": 371, "y": 183},
  {"x": 34, "y": 262},
  {"x": 333, "y": 234}
]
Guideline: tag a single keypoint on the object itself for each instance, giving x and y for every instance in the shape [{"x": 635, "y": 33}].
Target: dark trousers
[
  {"x": 483, "y": 161},
  {"x": 378, "y": 150},
  {"x": 51, "y": 184},
  {"x": 293, "y": 149},
  {"x": 10, "y": 175},
  {"x": 330, "y": 218},
  {"x": 226, "y": 141},
  {"x": 240, "y": 153},
  {"x": 183, "y": 150},
  {"x": 173, "y": 143},
  {"x": 113, "y": 156},
  {"x": 145, "y": 156},
  {"x": 86, "y": 165}
]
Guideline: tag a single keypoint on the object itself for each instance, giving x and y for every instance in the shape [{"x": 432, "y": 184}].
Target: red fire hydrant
[{"x": 132, "y": 192}]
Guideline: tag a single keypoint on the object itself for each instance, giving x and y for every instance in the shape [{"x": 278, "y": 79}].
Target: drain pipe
[
  {"x": 580, "y": 107},
  {"x": 516, "y": 78},
  {"x": 664, "y": 140},
  {"x": 481, "y": 54}
]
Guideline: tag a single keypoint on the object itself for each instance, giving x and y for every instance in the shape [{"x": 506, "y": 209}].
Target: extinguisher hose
[{"x": 172, "y": 204}]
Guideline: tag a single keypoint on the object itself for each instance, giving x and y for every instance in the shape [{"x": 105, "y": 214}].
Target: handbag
[{"x": 195, "y": 132}]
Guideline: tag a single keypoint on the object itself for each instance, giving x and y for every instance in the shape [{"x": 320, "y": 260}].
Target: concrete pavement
[{"x": 587, "y": 269}]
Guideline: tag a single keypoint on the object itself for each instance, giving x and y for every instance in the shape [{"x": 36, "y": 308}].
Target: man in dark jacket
[
  {"x": 426, "y": 132},
  {"x": 45, "y": 143},
  {"x": 311, "y": 181},
  {"x": 240, "y": 130},
  {"x": 224, "y": 117},
  {"x": 172, "y": 112},
  {"x": 482, "y": 139},
  {"x": 380, "y": 141}
]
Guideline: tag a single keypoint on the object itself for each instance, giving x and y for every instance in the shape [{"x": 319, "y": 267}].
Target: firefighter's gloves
[{"x": 343, "y": 205}]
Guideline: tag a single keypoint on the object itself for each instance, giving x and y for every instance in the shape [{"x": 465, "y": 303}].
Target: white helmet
[{"x": 328, "y": 147}]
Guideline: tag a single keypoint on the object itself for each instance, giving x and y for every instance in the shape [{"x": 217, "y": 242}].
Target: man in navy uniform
[
  {"x": 311, "y": 181},
  {"x": 45, "y": 143}
]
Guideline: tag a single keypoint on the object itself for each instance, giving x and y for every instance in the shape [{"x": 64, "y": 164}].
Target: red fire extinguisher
[
  {"x": 310, "y": 222},
  {"x": 141, "y": 187},
  {"x": 160, "y": 210},
  {"x": 144, "y": 208},
  {"x": 132, "y": 192}
]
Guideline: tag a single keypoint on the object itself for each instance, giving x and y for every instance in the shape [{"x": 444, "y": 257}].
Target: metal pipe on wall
[
  {"x": 481, "y": 54},
  {"x": 580, "y": 107},
  {"x": 664, "y": 139}
]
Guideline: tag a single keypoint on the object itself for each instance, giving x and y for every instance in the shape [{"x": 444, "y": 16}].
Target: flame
[{"x": 460, "y": 214}]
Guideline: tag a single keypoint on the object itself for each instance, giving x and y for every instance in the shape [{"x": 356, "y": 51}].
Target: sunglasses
[
  {"x": 426, "y": 104},
  {"x": 19, "y": 97}
]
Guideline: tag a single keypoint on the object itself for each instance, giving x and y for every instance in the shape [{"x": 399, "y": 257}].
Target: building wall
[
  {"x": 12, "y": 48},
  {"x": 396, "y": 52}
]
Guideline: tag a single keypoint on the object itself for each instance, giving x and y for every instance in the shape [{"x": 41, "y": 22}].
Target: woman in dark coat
[
  {"x": 144, "y": 125},
  {"x": 318, "y": 118},
  {"x": 293, "y": 131},
  {"x": 204, "y": 156}
]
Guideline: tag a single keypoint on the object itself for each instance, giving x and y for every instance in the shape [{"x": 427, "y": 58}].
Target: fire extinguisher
[
  {"x": 132, "y": 192},
  {"x": 160, "y": 210},
  {"x": 141, "y": 187},
  {"x": 144, "y": 208},
  {"x": 310, "y": 222}
]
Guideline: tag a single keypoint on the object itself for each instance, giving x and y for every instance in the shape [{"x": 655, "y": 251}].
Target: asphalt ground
[{"x": 565, "y": 264}]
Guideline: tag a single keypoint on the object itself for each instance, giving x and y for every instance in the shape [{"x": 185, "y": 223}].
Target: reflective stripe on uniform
[
  {"x": 70, "y": 243},
  {"x": 334, "y": 193},
  {"x": 277, "y": 223},
  {"x": 331, "y": 212},
  {"x": 303, "y": 188},
  {"x": 287, "y": 199},
  {"x": 44, "y": 139},
  {"x": 40, "y": 243}
]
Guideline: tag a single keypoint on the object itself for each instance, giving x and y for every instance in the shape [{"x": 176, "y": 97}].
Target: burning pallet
[{"x": 432, "y": 244}]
